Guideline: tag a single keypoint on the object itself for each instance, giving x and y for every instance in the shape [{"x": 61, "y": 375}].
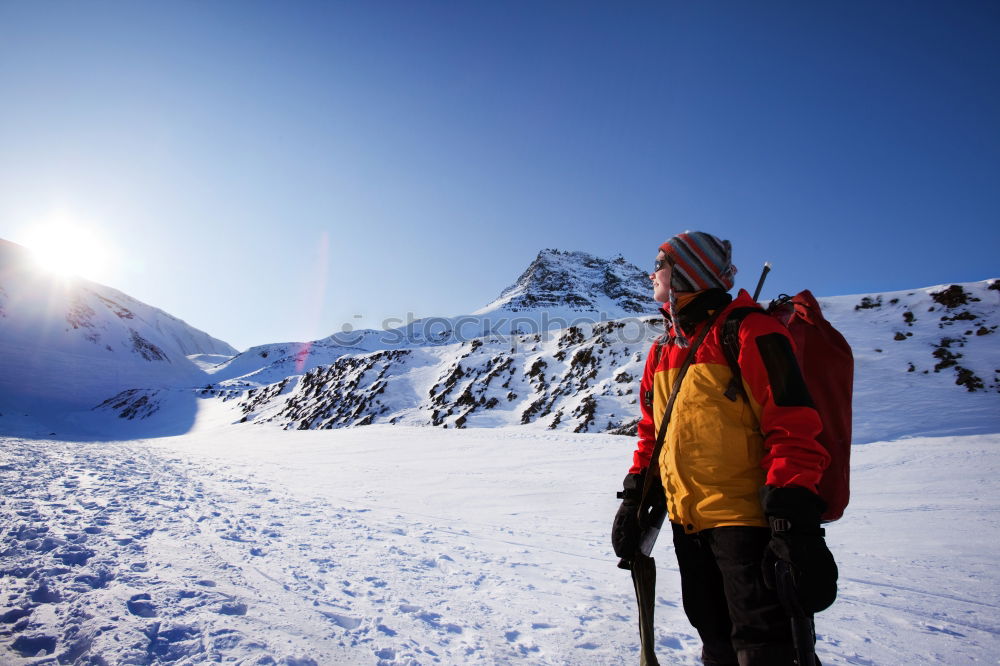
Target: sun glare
[{"x": 67, "y": 249}]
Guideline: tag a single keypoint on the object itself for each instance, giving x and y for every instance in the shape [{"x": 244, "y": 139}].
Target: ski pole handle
[
  {"x": 760, "y": 282},
  {"x": 656, "y": 517}
]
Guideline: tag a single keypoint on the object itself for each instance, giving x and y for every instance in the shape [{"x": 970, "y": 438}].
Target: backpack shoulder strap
[{"x": 731, "y": 348}]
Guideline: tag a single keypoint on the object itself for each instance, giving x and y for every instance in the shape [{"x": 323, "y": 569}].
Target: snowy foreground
[{"x": 395, "y": 545}]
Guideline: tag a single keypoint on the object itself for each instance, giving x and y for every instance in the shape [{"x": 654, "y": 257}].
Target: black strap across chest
[{"x": 650, "y": 477}]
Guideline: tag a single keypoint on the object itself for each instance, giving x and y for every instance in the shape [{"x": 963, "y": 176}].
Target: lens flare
[{"x": 317, "y": 293}]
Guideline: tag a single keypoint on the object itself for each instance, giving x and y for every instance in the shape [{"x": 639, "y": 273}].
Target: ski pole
[
  {"x": 760, "y": 282},
  {"x": 644, "y": 580},
  {"x": 803, "y": 636}
]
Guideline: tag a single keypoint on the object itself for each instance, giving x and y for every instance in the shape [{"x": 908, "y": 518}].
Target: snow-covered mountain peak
[
  {"x": 577, "y": 282},
  {"x": 73, "y": 341},
  {"x": 559, "y": 289}
]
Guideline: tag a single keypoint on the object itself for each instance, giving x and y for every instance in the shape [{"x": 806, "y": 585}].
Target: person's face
[{"x": 661, "y": 280}]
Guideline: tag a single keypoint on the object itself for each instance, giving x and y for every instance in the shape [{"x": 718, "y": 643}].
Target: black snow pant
[{"x": 740, "y": 621}]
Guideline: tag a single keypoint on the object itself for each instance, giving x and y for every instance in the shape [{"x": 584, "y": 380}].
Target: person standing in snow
[{"x": 738, "y": 474}]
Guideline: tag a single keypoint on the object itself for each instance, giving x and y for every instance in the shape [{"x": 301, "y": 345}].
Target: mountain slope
[
  {"x": 557, "y": 290},
  {"x": 935, "y": 348},
  {"x": 73, "y": 342}
]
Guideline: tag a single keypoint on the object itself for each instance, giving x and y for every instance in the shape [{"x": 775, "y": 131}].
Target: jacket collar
[{"x": 700, "y": 308}]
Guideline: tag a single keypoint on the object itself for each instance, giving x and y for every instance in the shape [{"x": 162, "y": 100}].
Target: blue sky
[{"x": 271, "y": 171}]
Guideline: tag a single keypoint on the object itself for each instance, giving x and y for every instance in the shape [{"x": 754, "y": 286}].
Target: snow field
[{"x": 398, "y": 545}]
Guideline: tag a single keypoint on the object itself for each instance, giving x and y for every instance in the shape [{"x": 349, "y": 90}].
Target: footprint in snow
[
  {"x": 434, "y": 620},
  {"x": 233, "y": 608},
  {"x": 43, "y": 594},
  {"x": 226, "y": 639},
  {"x": 141, "y": 606},
  {"x": 74, "y": 555},
  {"x": 671, "y": 642},
  {"x": 169, "y": 643},
  {"x": 34, "y": 646},
  {"x": 387, "y": 654},
  {"x": 293, "y": 661},
  {"x": 342, "y": 621}
]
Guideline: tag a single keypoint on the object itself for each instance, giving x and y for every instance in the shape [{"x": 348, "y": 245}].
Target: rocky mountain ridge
[
  {"x": 938, "y": 345},
  {"x": 577, "y": 282}
]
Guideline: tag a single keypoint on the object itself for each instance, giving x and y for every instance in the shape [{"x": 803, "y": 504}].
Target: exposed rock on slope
[{"x": 577, "y": 282}]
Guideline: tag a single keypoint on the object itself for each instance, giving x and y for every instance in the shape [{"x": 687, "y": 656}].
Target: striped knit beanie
[{"x": 700, "y": 261}]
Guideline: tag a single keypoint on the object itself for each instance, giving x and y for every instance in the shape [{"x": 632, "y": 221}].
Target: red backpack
[{"x": 827, "y": 366}]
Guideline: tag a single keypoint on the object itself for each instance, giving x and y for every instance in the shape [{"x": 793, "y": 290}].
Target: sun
[{"x": 67, "y": 248}]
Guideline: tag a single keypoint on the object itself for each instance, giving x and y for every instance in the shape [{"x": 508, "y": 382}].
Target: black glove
[
  {"x": 797, "y": 538},
  {"x": 625, "y": 529}
]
